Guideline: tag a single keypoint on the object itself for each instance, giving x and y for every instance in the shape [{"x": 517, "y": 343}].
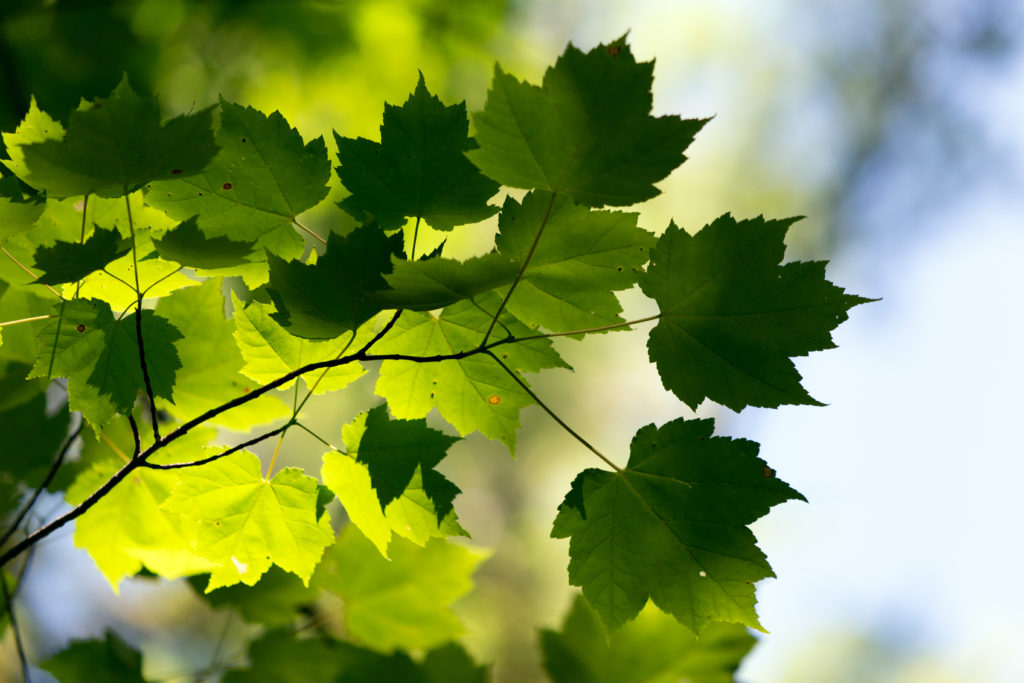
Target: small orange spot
[
  {"x": 494, "y": 400},
  {"x": 614, "y": 50},
  {"x": 768, "y": 472},
  {"x": 80, "y": 328}
]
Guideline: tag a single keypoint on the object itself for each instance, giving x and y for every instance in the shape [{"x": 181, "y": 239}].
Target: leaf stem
[
  {"x": 25, "y": 320},
  {"x": 277, "y": 449},
  {"x": 218, "y": 456},
  {"x": 603, "y": 328},
  {"x": 313, "y": 234},
  {"x": 28, "y": 272},
  {"x": 138, "y": 323},
  {"x": 560, "y": 421},
  {"x": 415, "y": 234},
  {"x": 522, "y": 269}
]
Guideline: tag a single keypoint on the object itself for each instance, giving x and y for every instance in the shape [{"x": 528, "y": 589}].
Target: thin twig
[
  {"x": 25, "y": 320},
  {"x": 218, "y": 456},
  {"x": 29, "y": 272},
  {"x": 311, "y": 233},
  {"x": 14, "y": 626},
  {"x": 560, "y": 421}
]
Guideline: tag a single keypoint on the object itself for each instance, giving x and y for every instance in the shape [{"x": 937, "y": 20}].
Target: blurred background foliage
[{"x": 872, "y": 118}]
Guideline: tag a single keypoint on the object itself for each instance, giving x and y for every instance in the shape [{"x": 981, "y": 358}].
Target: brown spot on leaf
[
  {"x": 226, "y": 186},
  {"x": 614, "y": 50},
  {"x": 80, "y": 327},
  {"x": 769, "y": 473},
  {"x": 176, "y": 171},
  {"x": 494, "y": 400}
]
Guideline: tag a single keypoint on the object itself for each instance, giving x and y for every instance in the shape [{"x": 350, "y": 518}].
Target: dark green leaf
[
  {"x": 587, "y": 132},
  {"x": 324, "y": 300},
  {"x": 188, "y": 245},
  {"x": 31, "y": 438},
  {"x": 671, "y": 527},
  {"x": 115, "y": 145},
  {"x": 731, "y": 316},
  {"x": 72, "y": 261},
  {"x": 281, "y": 657},
  {"x": 417, "y": 169},
  {"x": 263, "y": 177},
  {"x": 439, "y": 282},
  {"x": 277, "y": 599},
  {"x": 393, "y": 449},
  {"x": 85, "y": 661}
]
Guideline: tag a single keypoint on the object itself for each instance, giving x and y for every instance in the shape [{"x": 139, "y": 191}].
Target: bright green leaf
[
  {"x": 403, "y": 602},
  {"x": 37, "y": 126},
  {"x": 472, "y": 393},
  {"x": 587, "y": 132},
  {"x": 72, "y": 261},
  {"x": 115, "y": 145},
  {"x": 263, "y": 177},
  {"x": 271, "y": 351},
  {"x": 654, "y": 648},
  {"x": 246, "y": 523},
  {"x": 731, "y": 316},
  {"x": 672, "y": 527},
  {"x": 329, "y": 298},
  {"x": 17, "y": 213},
  {"x": 418, "y": 168}
]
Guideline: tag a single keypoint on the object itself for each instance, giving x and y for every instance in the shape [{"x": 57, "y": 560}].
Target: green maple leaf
[
  {"x": 438, "y": 282},
  {"x": 211, "y": 364},
  {"x": 671, "y": 527},
  {"x": 576, "y": 258},
  {"x": 411, "y": 514},
  {"x": 246, "y": 523},
  {"x": 401, "y": 602},
  {"x": 127, "y": 529},
  {"x": 115, "y": 145},
  {"x": 417, "y": 169},
  {"x": 271, "y": 351},
  {"x": 111, "y": 660},
  {"x": 393, "y": 450},
  {"x": 587, "y": 132},
  {"x": 731, "y": 316},
  {"x": 188, "y": 245},
  {"x": 277, "y": 599},
  {"x": 37, "y": 126},
  {"x": 333, "y": 296},
  {"x": 100, "y": 357},
  {"x": 473, "y": 393},
  {"x": 654, "y": 648},
  {"x": 72, "y": 261},
  {"x": 263, "y": 177}
]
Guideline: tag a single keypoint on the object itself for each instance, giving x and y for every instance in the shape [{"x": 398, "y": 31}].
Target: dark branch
[{"x": 218, "y": 456}]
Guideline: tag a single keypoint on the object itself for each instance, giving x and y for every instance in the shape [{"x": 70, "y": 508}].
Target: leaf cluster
[{"x": 159, "y": 276}]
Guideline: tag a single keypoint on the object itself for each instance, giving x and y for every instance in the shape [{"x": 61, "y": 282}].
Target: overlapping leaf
[
  {"x": 576, "y": 259},
  {"x": 36, "y": 127},
  {"x": 270, "y": 351},
  {"x": 401, "y": 602},
  {"x": 263, "y": 177},
  {"x": 277, "y": 599},
  {"x": 418, "y": 168},
  {"x": 188, "y": 245},
  {"x": 279, "y": 657},
  {"x": 333, "y": 296},
  {"x": 72, "y": 261},
  {"x": 731, "y": 316},
  {"x": 32, "y": 438},
  {"x": 211, "y": 363},
  {"x": 100, "y": 357},
  {"x": 587, "y": 132},
  {"x": 671, "y": 527},
  {"x": 438, "y": 282},
  {"x": 111, "y": 660},
  {"x": 17, "y": 213},
  {"x": 112, "y": 146},
  {"x": 472, "y": 393},
  {"x": 652, "y": 649},
  {"x": 246, "y": 523}
]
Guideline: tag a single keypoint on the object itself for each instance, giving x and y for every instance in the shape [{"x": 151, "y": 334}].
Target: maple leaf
[
  {"x": 278, "y": 657},
  {"x": 671, "y": 527},
  {"x": 111, "y": 660},
  {"x": 37, "y": 126},
  {"x": 333, "y": 296},
  {"x": 576, "y": 258},
  {"x": 401, "y": 602},
  {"x": 472, "y": 393},
  {"x": 417, "y": 169},
  {"x": 188, "y": 245},
  {"x": 438, "y": 282},
  {"x": 654, "y": 647},
  {"x": 587, "y": 132},
  {"x": 17, "y": 213},
  {"x": 246, "y": 523},
  {"x": 254, "y": 189},
  {"x": 277, "y": 599},
  {"x": 731, "y": 316},
  {"x": 113, "y": 146},
  {"x": 72, "y": 261}
]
